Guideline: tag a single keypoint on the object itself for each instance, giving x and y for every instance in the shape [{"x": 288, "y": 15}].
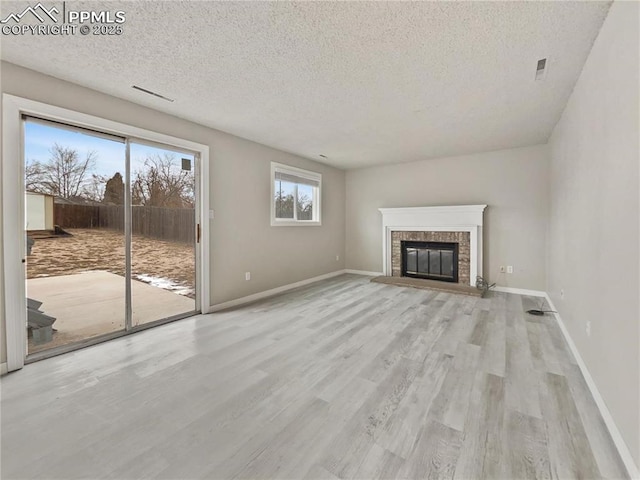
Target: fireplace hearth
[{"x": 430, "y": 260}]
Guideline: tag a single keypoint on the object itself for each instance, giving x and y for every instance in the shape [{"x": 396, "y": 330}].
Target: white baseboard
[
  {"x": 364, "y": 272},
  {"x": 3, "y": 368},
  {"x": 520, "y": 291},
  {"x": 623, "y": 449},
  {"x": 270, "y": 293}
]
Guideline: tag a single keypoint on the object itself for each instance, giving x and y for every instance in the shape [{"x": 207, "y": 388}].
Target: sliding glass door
[
  {"x": 163, "y": 230},
  {"x": 110, "y": 228}
]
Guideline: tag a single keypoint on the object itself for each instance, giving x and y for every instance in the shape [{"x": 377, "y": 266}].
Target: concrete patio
[{"x": 92, "y": 303}]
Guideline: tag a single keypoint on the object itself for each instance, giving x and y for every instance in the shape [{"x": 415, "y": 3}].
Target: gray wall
[
  {"x": 242, "y": 238},
  {"x": 512, "y": 182},
  {"x": 594, "y": 240}
]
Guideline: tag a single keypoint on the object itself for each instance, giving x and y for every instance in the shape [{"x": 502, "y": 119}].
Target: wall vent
[{"x": 541, "y": 69}]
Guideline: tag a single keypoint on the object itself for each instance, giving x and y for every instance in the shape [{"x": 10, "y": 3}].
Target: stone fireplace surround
[{"x": 461, "y": 224}]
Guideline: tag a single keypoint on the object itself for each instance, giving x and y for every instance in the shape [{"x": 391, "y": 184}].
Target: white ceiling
[{"x": 363, "y": 83}]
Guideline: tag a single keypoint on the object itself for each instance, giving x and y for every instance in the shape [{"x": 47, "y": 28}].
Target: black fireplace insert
[{"x": 430, "y": 260}]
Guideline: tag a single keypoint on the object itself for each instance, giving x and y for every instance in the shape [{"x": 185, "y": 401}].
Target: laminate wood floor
[{"x": 340, "y": 379}]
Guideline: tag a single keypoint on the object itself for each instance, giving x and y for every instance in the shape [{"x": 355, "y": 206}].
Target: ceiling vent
[
  {"x": 541, "y": 69},
  {"x": 152, "y": 93}
]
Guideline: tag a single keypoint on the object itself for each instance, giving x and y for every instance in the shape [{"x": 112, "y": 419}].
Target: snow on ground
[{"x": 165, "y": 284}]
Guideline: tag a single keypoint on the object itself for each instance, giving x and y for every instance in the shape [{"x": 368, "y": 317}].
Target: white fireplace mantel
[{"x": 455, "y": 218}]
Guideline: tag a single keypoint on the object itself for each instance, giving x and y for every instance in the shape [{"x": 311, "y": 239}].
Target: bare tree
[
  {"x": 163, "y": 183},
  {"x": 65, "y": 174},
  {"x": 95, "y": 188},
  {"x": 285, "y": 205},
  {"x": 33, "y": 176}
]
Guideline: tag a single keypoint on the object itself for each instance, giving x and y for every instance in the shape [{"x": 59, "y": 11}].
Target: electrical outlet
[
  {"x": 562, "y": 294},
  {"x": 337, "y": 258},
  {"x": 588, "y": 329},
  {"x": 247, "y": 276},
  {"x": 502, "y": 269},
  {"x": 510, "y": 269}
]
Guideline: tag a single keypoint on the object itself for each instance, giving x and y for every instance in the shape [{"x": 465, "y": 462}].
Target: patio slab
[{"x": 92, "y": 303}]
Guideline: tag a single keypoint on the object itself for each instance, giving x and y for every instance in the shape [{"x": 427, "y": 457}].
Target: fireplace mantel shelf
[
  {"x": 436, "y": 209},
  {"x": 456, "y": 218}
]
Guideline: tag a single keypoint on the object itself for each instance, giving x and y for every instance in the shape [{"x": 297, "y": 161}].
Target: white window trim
[
  {"x": 317, "y": 197},
  {"x": 13, "y": 207}
]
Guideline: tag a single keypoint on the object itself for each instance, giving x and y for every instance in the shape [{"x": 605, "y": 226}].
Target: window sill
[{"x": 295, "y": 223}]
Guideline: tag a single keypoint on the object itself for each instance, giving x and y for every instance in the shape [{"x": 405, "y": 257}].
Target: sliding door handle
[{"x": 198, "y": 233}]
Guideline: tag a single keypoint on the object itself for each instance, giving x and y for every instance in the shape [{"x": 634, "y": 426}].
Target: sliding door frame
[
  {"x": 128, "y": 254},
  {"x": 13, "y": 214}
]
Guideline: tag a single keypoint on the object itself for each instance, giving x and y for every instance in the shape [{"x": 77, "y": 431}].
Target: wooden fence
[{"x": 173, "y": 224}]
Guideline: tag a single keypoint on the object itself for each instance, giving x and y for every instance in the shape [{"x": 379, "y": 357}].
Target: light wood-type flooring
[{"x": 340, "y": 379}]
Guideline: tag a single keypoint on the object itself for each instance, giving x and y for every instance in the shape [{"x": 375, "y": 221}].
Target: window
[{"x": 295, "y": 196}]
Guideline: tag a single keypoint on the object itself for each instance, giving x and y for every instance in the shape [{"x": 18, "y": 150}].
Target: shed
[{"x": 39, "y": 211}]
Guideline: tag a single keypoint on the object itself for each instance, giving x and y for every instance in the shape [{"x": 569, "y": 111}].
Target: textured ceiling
[{"x": 363, "y": 83}]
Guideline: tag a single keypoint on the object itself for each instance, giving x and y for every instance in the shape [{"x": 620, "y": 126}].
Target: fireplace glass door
[{"x": 430, "y": 260}]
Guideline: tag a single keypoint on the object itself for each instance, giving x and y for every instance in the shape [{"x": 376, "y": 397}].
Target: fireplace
[
  {"x": 461, "y": 224},
  {"x": 430, "y": 260}
]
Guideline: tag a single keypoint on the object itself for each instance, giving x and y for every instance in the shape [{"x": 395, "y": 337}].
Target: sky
[{"x": 110, "y": 155}]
